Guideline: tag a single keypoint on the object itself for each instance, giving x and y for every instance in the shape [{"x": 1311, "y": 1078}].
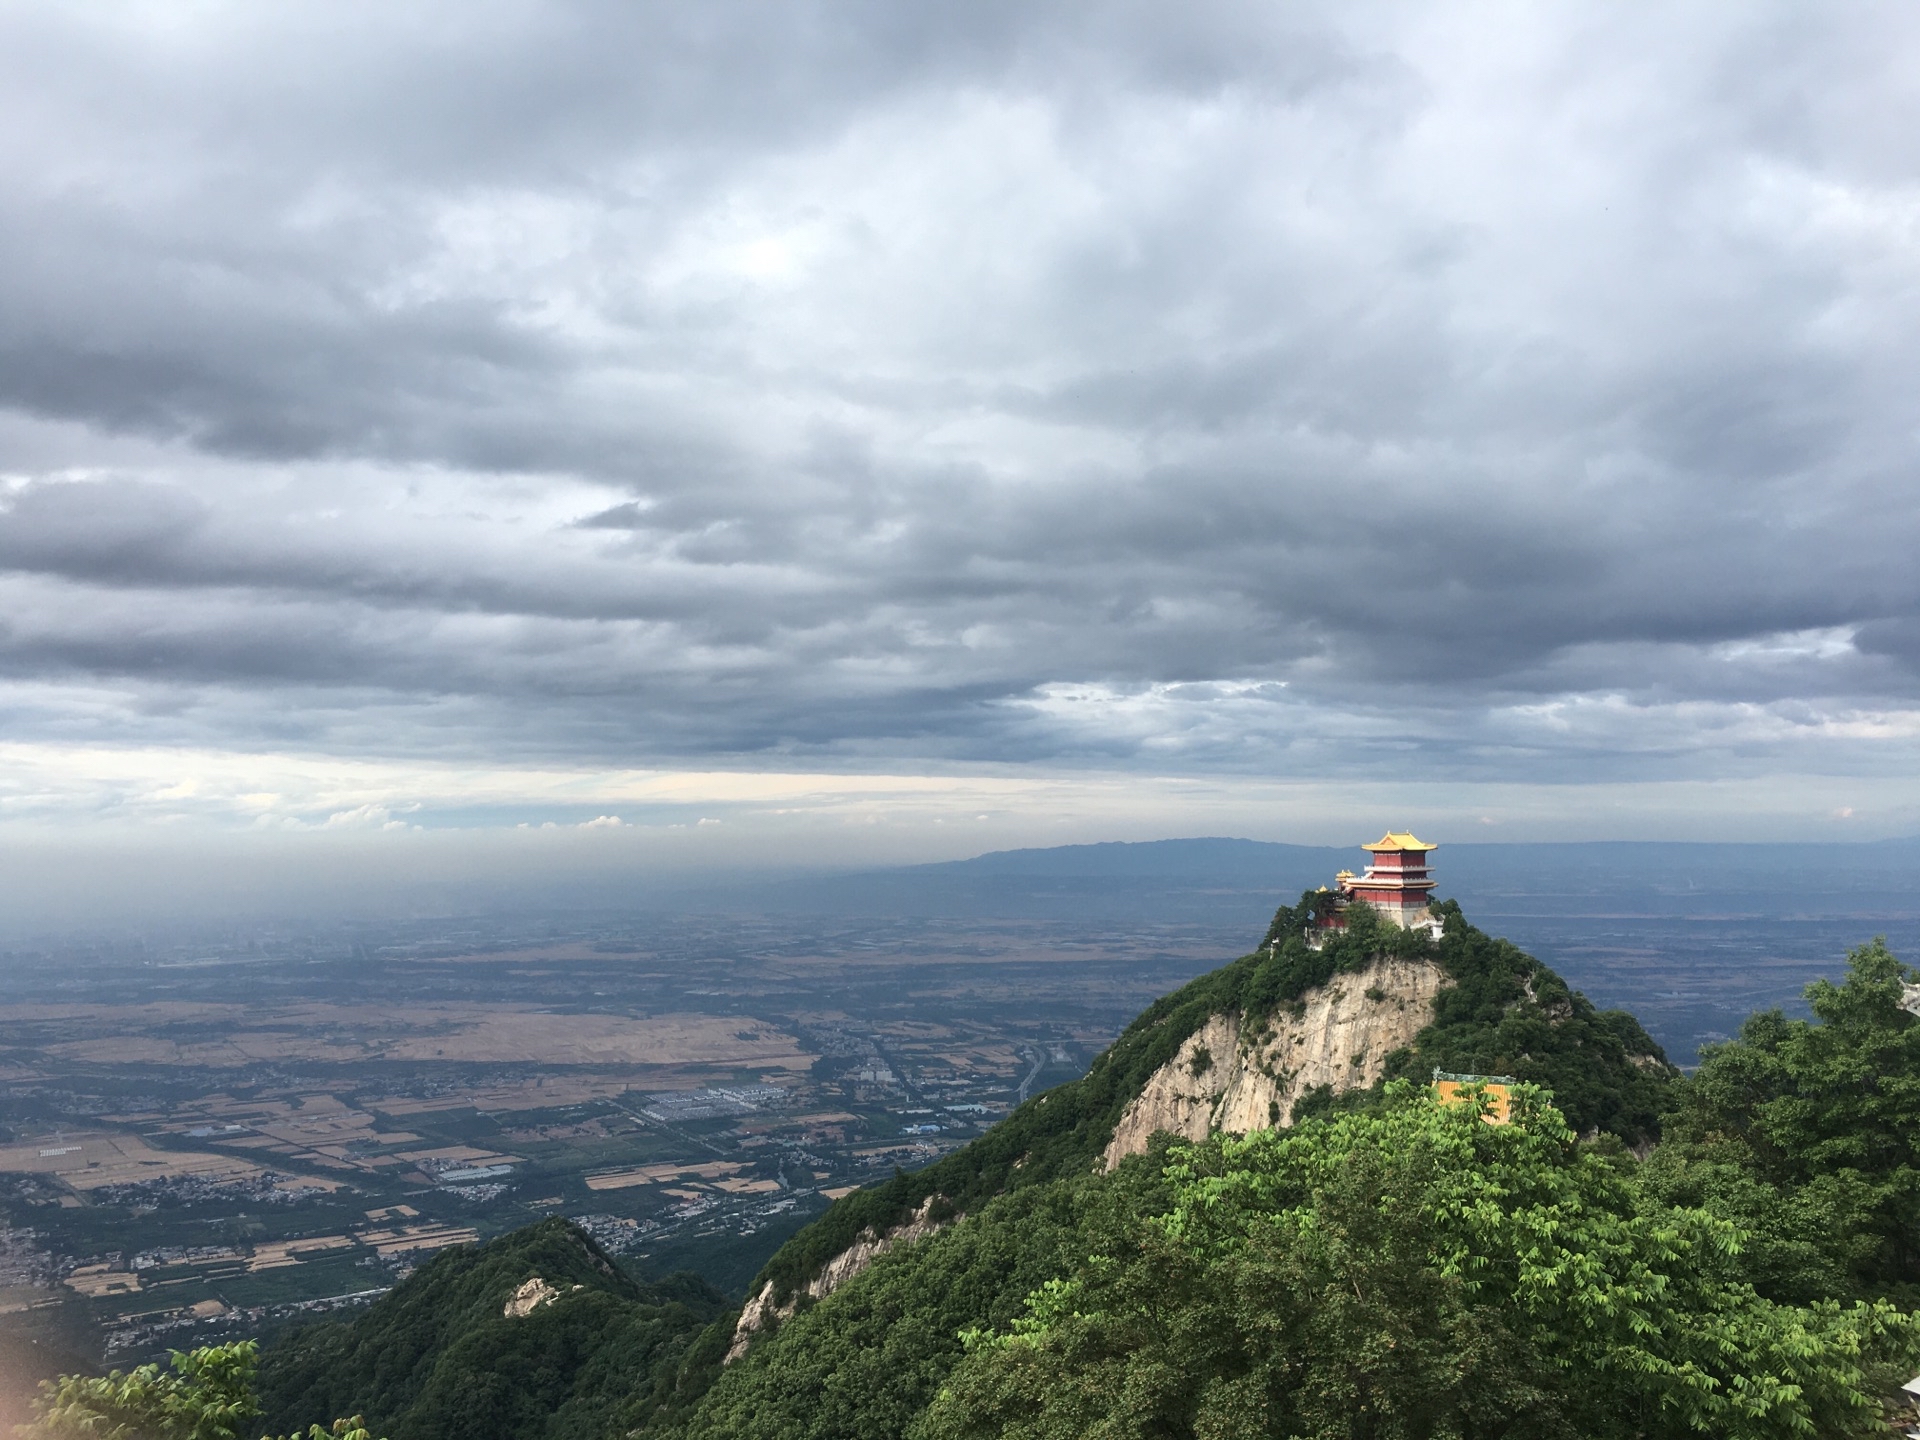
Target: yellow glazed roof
[{"x": 1397, "y": 840}]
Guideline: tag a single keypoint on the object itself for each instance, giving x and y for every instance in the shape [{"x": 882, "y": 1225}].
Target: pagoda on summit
[{"x": 1398, "y": 885}]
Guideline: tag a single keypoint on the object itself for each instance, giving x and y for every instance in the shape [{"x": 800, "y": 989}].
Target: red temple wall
[
  {"x": 1398, "y": 863},
  {"x": 1411, "y": 898}
]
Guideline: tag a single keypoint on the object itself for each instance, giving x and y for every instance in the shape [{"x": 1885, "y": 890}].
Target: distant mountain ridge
[
  {"x": 1228, "y": 882},
  {"x": 1211, "y": 857},
  {"x": 1231, "y": 882}
]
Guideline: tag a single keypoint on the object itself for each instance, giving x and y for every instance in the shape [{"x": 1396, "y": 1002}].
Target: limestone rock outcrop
[
  {"x": 760, "y": 1313},
  {"x": 1338, "y": 1035},
  {"x": 530, "y": 1297}
]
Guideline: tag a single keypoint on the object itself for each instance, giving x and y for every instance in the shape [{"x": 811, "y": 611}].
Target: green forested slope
[
  {"x": 1505, "y": 1013},
  {"x": 437, "y": 1360},
  {"x": 867, "y": 1364},
  {"x": 1408, "y": 1270},
  {"x": 1402, "y": 1269}
]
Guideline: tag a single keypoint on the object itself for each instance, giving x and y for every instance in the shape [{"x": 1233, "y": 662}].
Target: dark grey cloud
[{"x": 1351, "y": 390}]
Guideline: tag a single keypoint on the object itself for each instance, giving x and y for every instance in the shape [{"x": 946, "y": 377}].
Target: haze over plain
[{"x": 797, "y": 434}]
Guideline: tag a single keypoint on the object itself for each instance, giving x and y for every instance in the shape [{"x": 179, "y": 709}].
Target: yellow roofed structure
[{"x": 1397, "y": 840}]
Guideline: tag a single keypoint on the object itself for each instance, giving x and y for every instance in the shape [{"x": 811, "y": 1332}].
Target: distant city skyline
[{"x": 666, "y": 438}]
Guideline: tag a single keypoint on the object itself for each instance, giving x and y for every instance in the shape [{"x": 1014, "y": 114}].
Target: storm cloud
[{"x": 1479, "y": 393}]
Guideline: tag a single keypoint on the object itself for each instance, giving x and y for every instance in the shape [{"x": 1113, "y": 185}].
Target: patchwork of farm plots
[{"x": 225, "y": 1143}]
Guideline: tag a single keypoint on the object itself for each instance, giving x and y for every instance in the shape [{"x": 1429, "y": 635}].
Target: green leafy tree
[
  {"x": 201, "y": 1395},
  {"x": 204, "y": 1394},
  {"x": 1810, "y": 1130},
  {"x": 1412, "y": 1271}
]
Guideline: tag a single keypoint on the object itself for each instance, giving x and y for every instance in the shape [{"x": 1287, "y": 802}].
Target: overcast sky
[{"x": 1158, "y": 418}]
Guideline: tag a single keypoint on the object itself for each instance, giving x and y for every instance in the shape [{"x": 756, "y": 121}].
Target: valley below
[{"x": 206, "y": 1139}]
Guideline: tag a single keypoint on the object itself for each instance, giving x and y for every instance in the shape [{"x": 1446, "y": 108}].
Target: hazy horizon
[{"x": 58, "y": 894}]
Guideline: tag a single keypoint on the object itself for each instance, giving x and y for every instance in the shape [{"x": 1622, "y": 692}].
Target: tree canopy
[
  {"x": 438, "y": 1358},
  {"x": 1809, "y": 1132},
  {"x": 204, "y": 1394},
  {"x": 1412, "y": 1271}
]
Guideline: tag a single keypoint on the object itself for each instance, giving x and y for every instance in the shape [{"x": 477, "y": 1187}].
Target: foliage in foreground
[
  {"x": 204, "y": 1394},
  {"x": 1412, "y": 1271},
  {"x": 1808, "y": 1133}
]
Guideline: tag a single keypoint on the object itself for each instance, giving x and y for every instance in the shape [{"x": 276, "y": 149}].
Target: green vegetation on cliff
[
  {"x": 1504, "y": 1013},
  {"x": 1507, "y": 1014},
  {"x": 1388, "y": 1267},
  {"x": 1402, "y": 1269},
  {"x": 437, "y": 1359},
  {"x": 1412, "y": 1271},
  {"x": 866, "y": 1361}
]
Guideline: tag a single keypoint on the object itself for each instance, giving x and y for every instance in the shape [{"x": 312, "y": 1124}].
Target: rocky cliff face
[
  {"x": 761, "y": 1313},
  {"x": 1338, "y": 1035},
  {"x": 530, "y": 1297}
]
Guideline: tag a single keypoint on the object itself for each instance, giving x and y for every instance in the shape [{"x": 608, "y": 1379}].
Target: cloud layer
[{"x": 1376, "y": 392}]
